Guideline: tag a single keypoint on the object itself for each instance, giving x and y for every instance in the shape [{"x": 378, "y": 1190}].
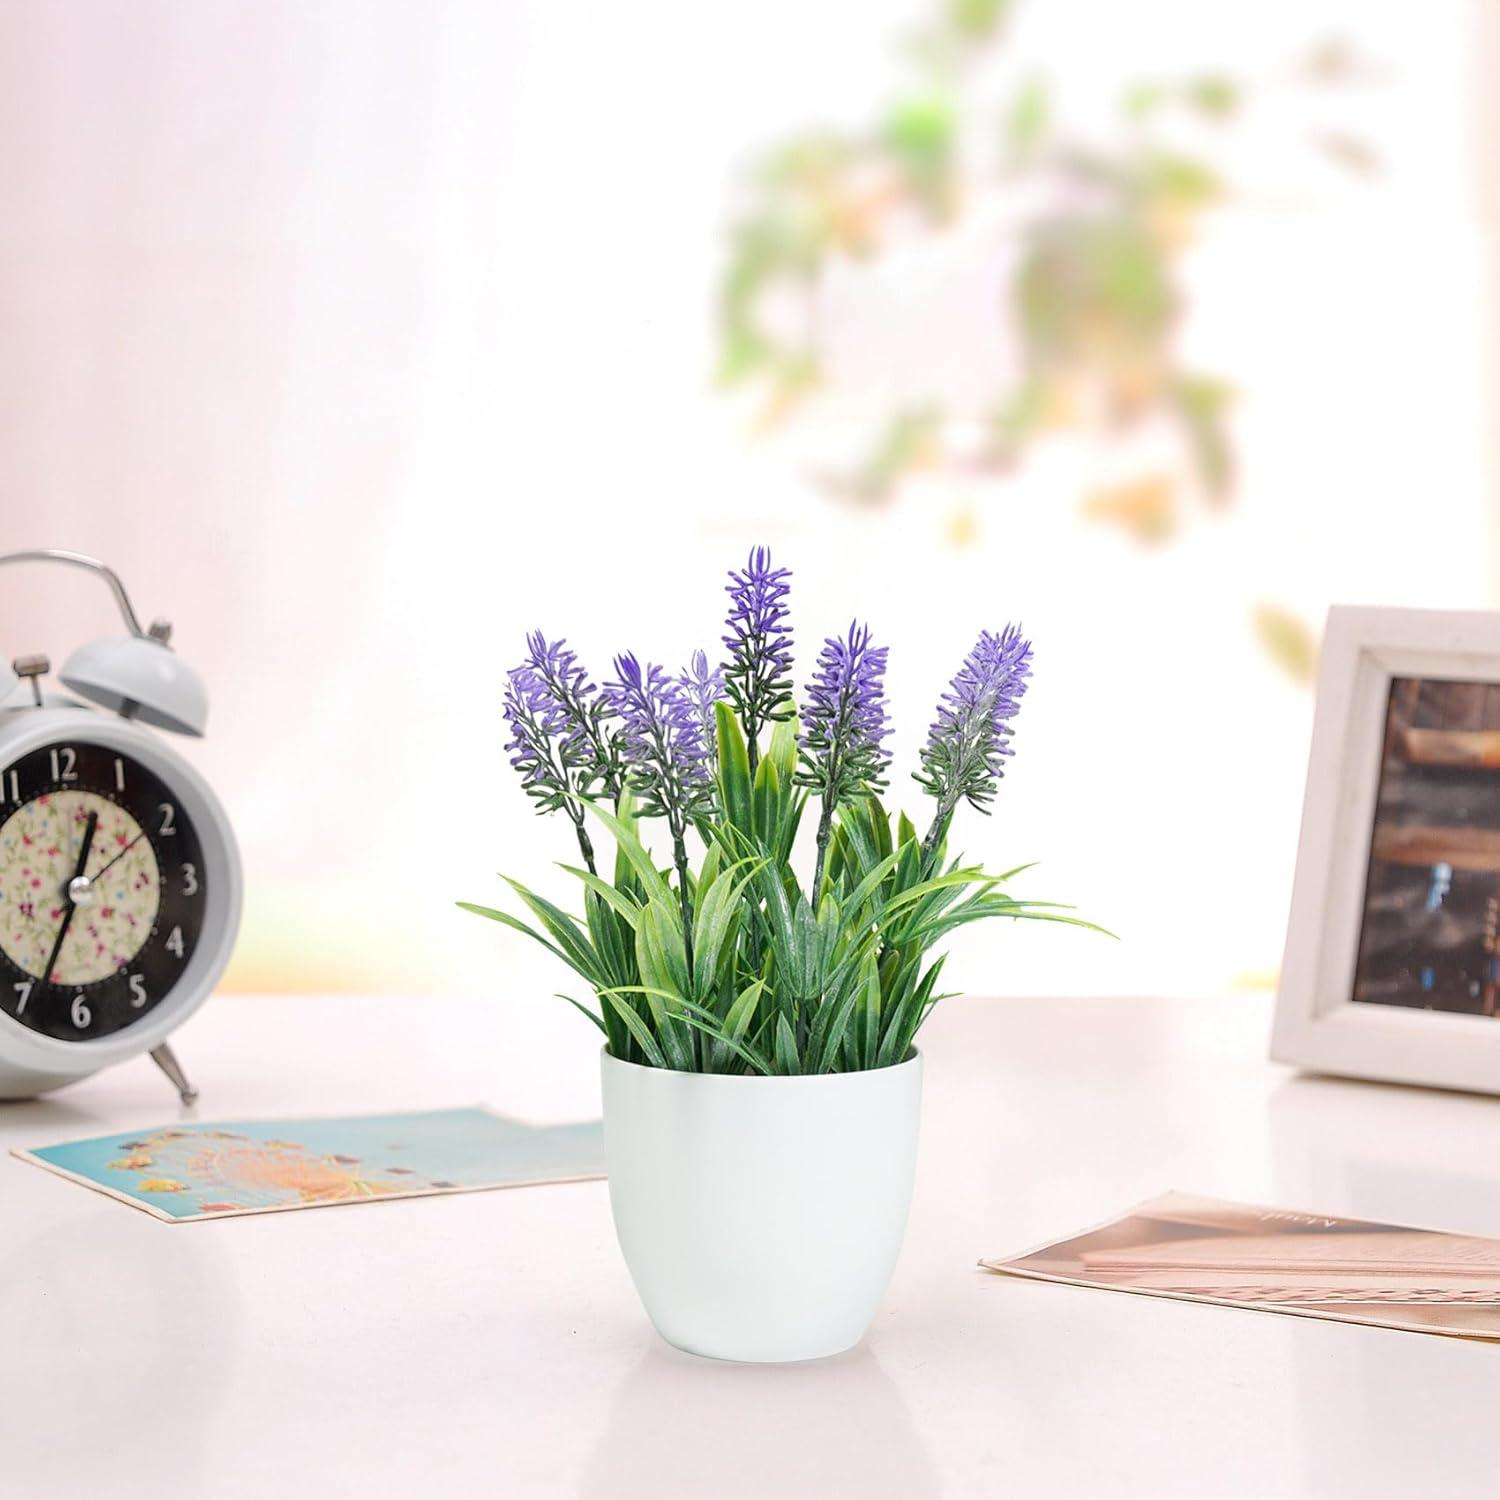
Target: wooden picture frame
[{"x": 1392, "y": 684}]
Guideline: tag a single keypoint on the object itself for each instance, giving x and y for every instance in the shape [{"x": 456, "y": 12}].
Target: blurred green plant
[{"x": 1095, "y": 304}]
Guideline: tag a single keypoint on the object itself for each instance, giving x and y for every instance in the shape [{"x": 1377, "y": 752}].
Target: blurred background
[{"x": 363, "y": 337}]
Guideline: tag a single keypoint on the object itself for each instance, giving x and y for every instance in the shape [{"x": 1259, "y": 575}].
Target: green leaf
[
  {"x": 714, "y": 921},
  {"x": 826, "y": 1039},
  {"x": 505, "y": 918},
  {"x": 564, "y": 930},
  {"x": 607, "y": 931},
  {"x": 777, "y": 918},
  {"x": 659, "y": 953},
  {"x": 636, "y": 1027},
  {"x": 710, "y": 1025},
  {"x": 867, "y": 887},
  {"x": 866, "y": 1021},
  {"x": 1202, "y": 406},
  {"x": 628, "y": 842},
  {"x": 584, "y": 1010},
  {"x": 978, "y": 19},
  {"x": 623, "y": 904},
  {"x": 734, "y": 769},
  {"x": 806, "y": 945},
  {"x": 1288, "y": 640},
  {"x": 1029, "y": 117},
  {"x": 786, "y": 1058},
  {"x": 906, "y": 1015},
  {"x": 742, "y": 1012},
  {"x": 766, "y": 803}
]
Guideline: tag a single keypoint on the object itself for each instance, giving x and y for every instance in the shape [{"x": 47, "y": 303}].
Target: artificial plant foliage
[{"x": 723, "y": 962}]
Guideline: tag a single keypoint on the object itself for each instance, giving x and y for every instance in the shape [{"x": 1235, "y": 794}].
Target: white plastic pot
[{"x": 761, "y": 1217}]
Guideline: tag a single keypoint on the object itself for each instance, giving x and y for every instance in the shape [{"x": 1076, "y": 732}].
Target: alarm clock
[{"x": 119, "y": 875}]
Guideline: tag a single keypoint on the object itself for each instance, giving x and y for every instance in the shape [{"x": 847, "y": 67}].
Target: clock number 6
[{"x": 80, "y": 1011}]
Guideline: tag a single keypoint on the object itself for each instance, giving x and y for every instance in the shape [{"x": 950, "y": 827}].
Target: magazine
[{"x": 1277, "y": 1260}]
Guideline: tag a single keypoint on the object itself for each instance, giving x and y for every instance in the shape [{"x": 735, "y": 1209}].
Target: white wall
[{"x": 364, "y": 337}]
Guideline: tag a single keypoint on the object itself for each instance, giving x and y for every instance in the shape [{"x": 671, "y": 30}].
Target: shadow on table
[{"x": 681, "y": 1425}]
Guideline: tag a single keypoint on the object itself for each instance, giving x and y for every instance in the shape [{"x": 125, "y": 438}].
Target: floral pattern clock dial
[{"x": 101, "y": 890}]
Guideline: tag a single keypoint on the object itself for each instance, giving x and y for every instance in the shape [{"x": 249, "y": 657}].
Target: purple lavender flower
[
  {"x": 666, "y": 758},
  {"x": 662, "y": 742},
  {"x": 758, "y": 675},
  {"x": 844, "y": 725},
  {"x": 538, "y": 742},
  {"x": 588, "y": 743},
  {"x": 844, "y": 721},
  {"x": 966, "y": 747},
  {"x": 704, "y": 686}
]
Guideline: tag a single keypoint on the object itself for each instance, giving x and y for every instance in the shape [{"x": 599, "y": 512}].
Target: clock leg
[{"x": 166, "y": 1060}]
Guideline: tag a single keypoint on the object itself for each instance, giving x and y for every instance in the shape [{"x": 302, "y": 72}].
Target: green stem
[
  {"x": 825, "y": 832},
  {"x": 825, "y": 822},
  {"x": 585, "y": 843},
  {"x": 679, "y": 858},
  {"x": 936, "y": 833}
]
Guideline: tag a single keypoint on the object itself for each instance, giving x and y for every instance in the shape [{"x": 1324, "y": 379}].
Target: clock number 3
[{"x": 189, "y": 879}]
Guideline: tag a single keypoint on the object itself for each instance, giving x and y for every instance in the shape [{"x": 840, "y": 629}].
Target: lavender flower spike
[
  {"x": 537, "y": 746},
  {"x": 666, "y": 758},
  {"x": 704, "y": 686},
  {"x": 844, "y": 726},
  {"x": 966, "y": 747},
  {"x": 559, "y": 741},
  {"x": 758, "y": 674},
  {"x": 662, "y": 742},
  {"x": 844, "y": 720},
  {"x": 589, "y": 743}
]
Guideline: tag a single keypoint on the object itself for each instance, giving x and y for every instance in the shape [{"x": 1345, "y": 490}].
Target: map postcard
[
  {"x": 1277, "y": 1260},
  {"x": 214, "y": 1171}
]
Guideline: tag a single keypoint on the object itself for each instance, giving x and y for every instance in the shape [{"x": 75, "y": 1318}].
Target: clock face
[{"x": 102, "y": 890}]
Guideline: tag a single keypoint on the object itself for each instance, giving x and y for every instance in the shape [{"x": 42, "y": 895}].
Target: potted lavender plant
[{"x": 761, "y": 1086}]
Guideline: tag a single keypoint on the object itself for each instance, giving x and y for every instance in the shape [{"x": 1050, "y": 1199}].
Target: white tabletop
[{"x": 490, "y": 1343}]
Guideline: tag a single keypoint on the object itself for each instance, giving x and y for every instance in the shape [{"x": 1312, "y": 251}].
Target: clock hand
[
  {"x": 67, "y": 921},
  {"x": 121, "y": 855}
]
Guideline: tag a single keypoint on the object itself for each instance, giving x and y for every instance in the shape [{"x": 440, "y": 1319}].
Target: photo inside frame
[{"x": 1430, "y": 927}]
